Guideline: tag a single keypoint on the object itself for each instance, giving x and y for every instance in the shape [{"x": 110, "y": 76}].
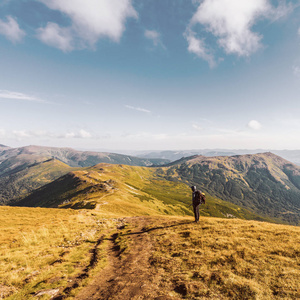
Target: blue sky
[{"x": 151, "y": 74}]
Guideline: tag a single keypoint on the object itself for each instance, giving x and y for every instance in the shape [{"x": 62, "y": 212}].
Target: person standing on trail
[{"x": 197, "y": 199}]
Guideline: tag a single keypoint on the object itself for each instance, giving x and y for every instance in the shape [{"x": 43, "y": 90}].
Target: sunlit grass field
[
  {"x": 44, "y": 248},
  {"x": 227, "y": 259},
  {"x": 217, "y": 258}
]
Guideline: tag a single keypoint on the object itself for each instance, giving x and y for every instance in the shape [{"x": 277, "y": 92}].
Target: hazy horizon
[
  {"x": 127, "y": 151},
  {"x": 163, "y": 75}
]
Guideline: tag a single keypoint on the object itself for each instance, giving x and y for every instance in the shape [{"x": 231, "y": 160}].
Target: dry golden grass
[
  {"x": 228, "y": 259},
  {"x": 44, "y": 248}
]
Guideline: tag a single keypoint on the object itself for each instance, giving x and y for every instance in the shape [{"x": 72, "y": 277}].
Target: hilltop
[
  {"x": 3, "y": 147},
  {"x": 264, "y": 183}
]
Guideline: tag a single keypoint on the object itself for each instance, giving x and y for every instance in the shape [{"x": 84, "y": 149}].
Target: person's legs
[{"x": 196, "y": 212}]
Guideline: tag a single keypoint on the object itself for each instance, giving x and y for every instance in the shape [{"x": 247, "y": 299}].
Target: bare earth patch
[{"x": 128, "y": 274}]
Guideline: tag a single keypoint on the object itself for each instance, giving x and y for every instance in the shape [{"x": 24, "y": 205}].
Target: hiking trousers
[{"x": 196, "y": 212}]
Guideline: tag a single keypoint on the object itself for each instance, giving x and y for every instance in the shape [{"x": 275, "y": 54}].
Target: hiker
[{"x": 198, "y": 198}]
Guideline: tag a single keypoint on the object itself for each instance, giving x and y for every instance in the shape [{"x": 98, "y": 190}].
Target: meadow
[
  {"x": 42, "y": 248},
  {"x": 227, "y": 259}
]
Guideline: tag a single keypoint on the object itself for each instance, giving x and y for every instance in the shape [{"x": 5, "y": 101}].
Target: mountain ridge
[
  {"x": 173, "y": 155},
  {"x": 75, "y": 158},
  {"x": 264, "y": 183}
]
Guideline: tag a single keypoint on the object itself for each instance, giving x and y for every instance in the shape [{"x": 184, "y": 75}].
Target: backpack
[{"x": 199, "y": 198}]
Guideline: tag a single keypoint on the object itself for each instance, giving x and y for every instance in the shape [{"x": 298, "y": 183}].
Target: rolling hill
[
  {"x": 25, "y": 169},
  {"x": 22, "y": 175},
  {"x": 115, "y": 189},
  {"x": 264, "y": 183}
]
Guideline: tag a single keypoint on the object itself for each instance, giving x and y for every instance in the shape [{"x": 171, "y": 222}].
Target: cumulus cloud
[
  {"x": 255, "y": 125},
  {"x": 198, "y": 47},
  {"x": 11, "y": 30},
  {"x": 4, "y": 94},
  {"x": 90, "y": 20},
  {"x": 55, "y": 36},
  {"x": 230, "y": 22},
  {"x": 138, "y": 109}
]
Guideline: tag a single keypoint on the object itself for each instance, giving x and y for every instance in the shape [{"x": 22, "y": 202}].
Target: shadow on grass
[{"x": 144, "y": 230}]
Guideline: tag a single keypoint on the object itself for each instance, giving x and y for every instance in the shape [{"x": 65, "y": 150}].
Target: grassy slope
[
  {"x": 23, "y": 179},
  {"x": 227, "y": 259},
  {"x": 129, "y": 191},
  {"x": 43, "y": 248}
]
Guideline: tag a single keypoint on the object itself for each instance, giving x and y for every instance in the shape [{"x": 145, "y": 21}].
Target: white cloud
[
  {"x": 84, "y": 134},
  {"x": 155, "y": 37},
  {"x": 4, "y": 94},
  {"x": 198, "y": 47},
  {"x": 230, "y": 22},
  {"x": 57, "y": 37},
  {"x": 25, "y": 134},
  {"x": 21, "y": 134},
  {"x": 253, "y": 124},
  {"x": 81, "y": 134},
  {"x": 138, "y": 109},
  {"x": 299, "y": 31},
  {"x": 11, "y": 30},
  {"x": 90, "y": 20}
]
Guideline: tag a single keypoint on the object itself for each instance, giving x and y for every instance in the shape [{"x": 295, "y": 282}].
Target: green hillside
[
  {"x": 264, "y": 183},
  {"x": 22, "y": 175},
  {"x": 115, "y": 189}
]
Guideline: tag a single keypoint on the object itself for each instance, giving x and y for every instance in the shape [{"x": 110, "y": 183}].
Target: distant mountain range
[
  {"x": 291, "y": 155},
  {"x": 75, "y": 158},
  {"x": 264, "y": 183}
]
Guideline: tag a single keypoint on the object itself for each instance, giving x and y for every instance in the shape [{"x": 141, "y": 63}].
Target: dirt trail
[{"x": 128, "y": 275}]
